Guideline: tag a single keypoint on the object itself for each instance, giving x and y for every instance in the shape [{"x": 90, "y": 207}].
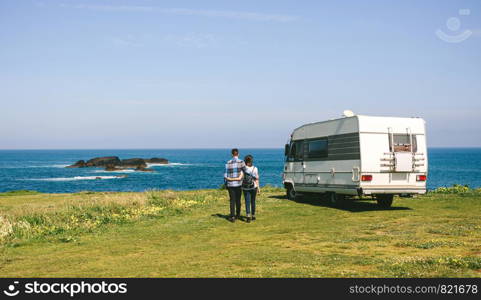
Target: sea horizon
[{"x": 44, "y": 170}]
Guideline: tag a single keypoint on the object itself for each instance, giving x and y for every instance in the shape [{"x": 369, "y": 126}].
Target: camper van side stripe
[
  {"x": 340, "y": 147},
  {"x": 345, "y": 150},
  {"x": 344, "y": 144},
  {"x": 335, "y": 157},
  {"x": 348, "y": 186},
  {"x": 344, "y": 147}
]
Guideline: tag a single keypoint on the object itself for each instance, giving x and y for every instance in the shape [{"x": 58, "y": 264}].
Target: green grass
[
  {"x": 18, "y": 193},
  {"x": 185, "y": 234}
]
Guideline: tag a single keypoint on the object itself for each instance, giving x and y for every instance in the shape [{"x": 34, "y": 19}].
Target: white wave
[
  {"x": 120, "y": 171},
  {"x": 76, "y": 178},
  {"x": 36, "y": 166},
  {"x": 168, "y": 165},
  {"x": 116, "y": 171},
  {"x": 47, "y": 166},
  {"x": 58, "y": 166}
]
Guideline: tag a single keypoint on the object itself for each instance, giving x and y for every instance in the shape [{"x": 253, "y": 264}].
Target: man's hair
[
  {"x": 235, "y": 151},
  {"x": 248, "y": 159}
]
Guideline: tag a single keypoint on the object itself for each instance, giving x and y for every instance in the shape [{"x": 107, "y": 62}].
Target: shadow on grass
[
  {"x": 347, "y": 205},
  {"x": 226, "y": 217}
]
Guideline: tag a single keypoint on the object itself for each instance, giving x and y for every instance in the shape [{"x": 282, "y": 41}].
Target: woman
[{"x": 250, "y": 187}]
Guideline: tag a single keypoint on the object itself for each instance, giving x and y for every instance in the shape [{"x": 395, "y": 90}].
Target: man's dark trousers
[{"x": 235, "y": 194}]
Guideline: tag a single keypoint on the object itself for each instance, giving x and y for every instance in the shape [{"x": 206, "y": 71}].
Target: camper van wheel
[
  {"x": 384, "y": 200},
  {"x": 335, "y": 199},
  {"x": 291, "y": 193}
]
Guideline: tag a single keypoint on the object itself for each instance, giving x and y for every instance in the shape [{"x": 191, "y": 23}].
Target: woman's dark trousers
[{"x": 250, "y": 197}]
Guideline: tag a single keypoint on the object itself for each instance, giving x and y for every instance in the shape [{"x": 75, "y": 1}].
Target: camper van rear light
[
  {"x": 366, "y": 178},
  {"x": 421, "y": 178}
]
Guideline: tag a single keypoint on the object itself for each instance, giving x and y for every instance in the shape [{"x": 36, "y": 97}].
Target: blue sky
[{"x": 194, "y": 74}]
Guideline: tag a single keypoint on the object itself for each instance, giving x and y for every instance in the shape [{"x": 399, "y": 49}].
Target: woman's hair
[{"x": 248, "y": 159}]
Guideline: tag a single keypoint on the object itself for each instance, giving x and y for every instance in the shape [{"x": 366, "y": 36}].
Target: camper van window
[
  {"x": 317, "y": 149},
  {"x": 292, "y": 152},
  {"x": 299, "y": 150},
  {"x": 295, "y": 151},
  {"x": 402, "y": 143}
]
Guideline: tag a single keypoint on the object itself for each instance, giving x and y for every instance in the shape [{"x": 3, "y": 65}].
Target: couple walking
[{"x": 242, "y": 176}]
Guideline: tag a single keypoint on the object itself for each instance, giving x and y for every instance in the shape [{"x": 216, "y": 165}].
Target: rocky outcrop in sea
[{"x": 114, "y": 163}]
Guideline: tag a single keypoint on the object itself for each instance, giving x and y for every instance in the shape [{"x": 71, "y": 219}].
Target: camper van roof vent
[{"x": 348, "y": 113}]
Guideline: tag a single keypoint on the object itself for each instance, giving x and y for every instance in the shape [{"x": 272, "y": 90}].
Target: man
[{"x": 233, "y": 179}]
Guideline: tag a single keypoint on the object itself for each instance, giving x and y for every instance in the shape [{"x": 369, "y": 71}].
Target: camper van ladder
[
  {"x": 388, "y": 162},
  {"x": 409, "y": 132},
  {"x": 418, "y": 158},
  {"x": 411, "y": 146},
  {"x": 391, "y": 138}
]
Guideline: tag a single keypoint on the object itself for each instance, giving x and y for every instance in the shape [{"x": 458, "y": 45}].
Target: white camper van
[{"x": 357, "y": 156}]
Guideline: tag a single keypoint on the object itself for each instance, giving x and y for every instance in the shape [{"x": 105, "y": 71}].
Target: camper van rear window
[
  {"x": 402, "y": 143},
  {"x": 317, "y": 149}
]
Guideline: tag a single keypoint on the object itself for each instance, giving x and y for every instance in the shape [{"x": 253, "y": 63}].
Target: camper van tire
[
  {"x": 291, "y": 192},
  {"x": 335, "y": 200},
  {"x": 384, "y": 200}
]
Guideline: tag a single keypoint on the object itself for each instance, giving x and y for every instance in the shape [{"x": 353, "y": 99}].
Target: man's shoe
[
  {"x": 238, "y": 217},
  {"x": 253, "y": 218},
  {"x": 248, "y": 220},
  {"x": 232, "y": 219}
]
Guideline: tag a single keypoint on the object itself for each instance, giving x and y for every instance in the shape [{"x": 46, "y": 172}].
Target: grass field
[{"x": 185, "y": 234}]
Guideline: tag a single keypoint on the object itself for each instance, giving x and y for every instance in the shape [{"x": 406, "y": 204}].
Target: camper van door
[{"x": 298, "y": 164}]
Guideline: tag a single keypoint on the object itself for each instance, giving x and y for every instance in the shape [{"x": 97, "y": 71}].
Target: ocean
[{"x": 44, "y": 170}]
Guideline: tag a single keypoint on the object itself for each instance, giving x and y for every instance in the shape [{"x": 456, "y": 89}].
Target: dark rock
[
  {"x": 133, "y": 163},
  {"x": 111, "y": 167},
  {"x": 113, "y": 163},
  {"x": 157, "y": 160},
  {"x": 103, "y": 161},
  {"x": 78, "y": 164},
  {"x": 143, "y": 169}
]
